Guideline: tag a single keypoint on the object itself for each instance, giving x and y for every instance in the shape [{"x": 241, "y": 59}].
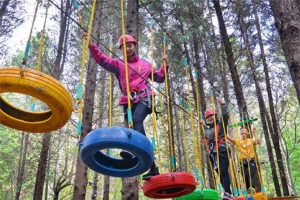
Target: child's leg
[
  {"x": 246, "y": 172},
  {"x": 139, "y": 115},
  {"x": 253, "y": 170},
  {"x": 224, "y": 165}
]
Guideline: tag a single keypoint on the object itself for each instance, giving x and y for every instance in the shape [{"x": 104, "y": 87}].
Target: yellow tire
[{"x": 41, "y": 86}]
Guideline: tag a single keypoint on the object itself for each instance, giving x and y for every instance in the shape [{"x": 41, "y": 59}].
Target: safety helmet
[
  {"x": 128, "y": 38},
  {"x": 209, "y": 112}
]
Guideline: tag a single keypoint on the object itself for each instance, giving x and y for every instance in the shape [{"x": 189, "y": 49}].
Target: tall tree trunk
[
  {"x": 22, "y": 166},
  {"x": 231, "y": 62},
  {"x": 170, "y": 129},
  {"x": 47, "y": 176},
  {"x": 62, "y": 33},
  {"x": 130, "y": 185},
  {"x": 223, "y": 72},
  {"x": 287, "y": 22},
  {"x": 257, "y": 86},
  {"x": 40, "y": 178},
  {"x": 288, "y": 166},
  {"x": 187, "y": 56},
  {"x": 133, "y": 19},
  {"x": 270, "y": 151},
  {"x": 41, "y": 173},
  {"x": 106, "y": 185},
  {"x": 275, "y": 132},
  {"x": 180, "y": 148},
  {"x": 202, "y": 103},
  {"x": 101, "y": 98},
  {"x": 129, "y": 189},
  {"x": 81, "y": 181},
  {"x": 221, "y": 65}
]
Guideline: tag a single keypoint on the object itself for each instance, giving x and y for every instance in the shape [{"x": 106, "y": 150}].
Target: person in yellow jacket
[{"x": 246, "y": 154}]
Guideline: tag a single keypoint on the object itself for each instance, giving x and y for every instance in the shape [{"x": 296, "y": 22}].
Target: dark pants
[
  {"x": 139, "y": 113},
  {"x": 224, "y": 165},
  {"x": 249, "y": 166}
]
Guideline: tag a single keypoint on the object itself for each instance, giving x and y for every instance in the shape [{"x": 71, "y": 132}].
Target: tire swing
[
  {"x": 169, "y": 185},
  {"x": 120, "y": 138},
  {"x": 198, "y": 194},
  {"x": 38, "y": 85},
  {"x": 172, "y": 184}
]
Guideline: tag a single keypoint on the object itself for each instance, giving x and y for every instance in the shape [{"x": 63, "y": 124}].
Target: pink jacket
[{"x": 137, "y": 82}]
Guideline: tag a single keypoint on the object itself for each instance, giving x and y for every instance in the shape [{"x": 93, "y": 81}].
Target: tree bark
[
  {"x": 40, "y": 179},
  {"x": 41, "y": 173},
  {"x": 180, "y": 148},
  {"x": 287, "y": 22},
  {"x": 130, "y": 185},
  {"x": 257, "y": 86},
  {"x": 231, "y": 62},
  {"x": 132, "y": 22},
  {"x": 62, "y": 33},
  {"x": 100, "y": 123},
  {"x": 275, "y": 133},
  {"x": 129, "y": 189},
  {"x": 22, "y": 166},
  {"x": 81, "y": 181}
]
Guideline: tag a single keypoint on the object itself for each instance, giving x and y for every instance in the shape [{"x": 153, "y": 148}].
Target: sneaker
[
  {"x": 151, "y": 173},
  {"x": 126, "y": 154},
  {"x": 226, "y": 196}
]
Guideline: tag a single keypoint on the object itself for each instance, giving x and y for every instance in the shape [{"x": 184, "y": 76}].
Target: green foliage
[{"x": 10, "y": 146}]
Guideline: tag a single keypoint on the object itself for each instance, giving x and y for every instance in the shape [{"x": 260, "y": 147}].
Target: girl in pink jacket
[{"x": 139, "y": 70}]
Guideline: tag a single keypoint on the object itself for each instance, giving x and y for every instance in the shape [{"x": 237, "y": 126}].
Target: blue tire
[{"x": 121, "y": 138}]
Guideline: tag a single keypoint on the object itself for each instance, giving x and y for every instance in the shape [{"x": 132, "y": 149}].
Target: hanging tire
[
  {"x": 205, "y": 194},
  {"x": 121, "y": 138},
  {"x": 41, "y": 86},
  {"x": 169, "y": 185}
]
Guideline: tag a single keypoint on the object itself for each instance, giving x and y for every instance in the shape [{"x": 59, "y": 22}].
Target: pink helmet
[
  {"x": 128, "y": 38},
  {"x": 209, "y": 112}
]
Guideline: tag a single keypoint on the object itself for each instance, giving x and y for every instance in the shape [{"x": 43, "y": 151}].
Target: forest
[{"x": 244, "y": 52}]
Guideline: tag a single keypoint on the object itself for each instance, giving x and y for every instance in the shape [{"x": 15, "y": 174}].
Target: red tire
[{"x": 169, "y": 185}]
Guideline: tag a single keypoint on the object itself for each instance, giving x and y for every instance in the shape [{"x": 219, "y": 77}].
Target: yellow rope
[
  {"x": 184, "y": 138},
  {"x": 34, "y": 17},
  {"x": 130, "y": 123},
  {"x": 229, "y": 158},
  {"x": 38, "y": 65},
  {"x": 84, "y": 56},
  {"x": 110, "y": 84},
  {"x": 165, "y": 132},
  {"x": 168, "y": 106},
  {"x": 217, "y": 141},
  {"x": 256, "y": 158},
  {"x": 200, "y": 126},
  {"x": 233, "y": 161},
  {"x": 191, "y": 108},
  {"x": 213, "y": 174},
  {"x": 192, "y": 119},
  {"x": 153, "y": 100},
  {"x": 30, "y": 34},
  {"x": 241, "y": 167},
  {"x": 41, "y": 46}
]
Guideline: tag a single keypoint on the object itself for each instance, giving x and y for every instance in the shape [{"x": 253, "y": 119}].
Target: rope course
[{"x": 189, "y": 109}]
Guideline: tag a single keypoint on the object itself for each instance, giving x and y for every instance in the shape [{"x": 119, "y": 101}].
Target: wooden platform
[{"x": 284, "y": 198}]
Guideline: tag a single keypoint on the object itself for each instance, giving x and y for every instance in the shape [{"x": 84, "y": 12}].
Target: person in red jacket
[
  {"x": 219, "y": 162},
  {"x": 139, "y": 70}
]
